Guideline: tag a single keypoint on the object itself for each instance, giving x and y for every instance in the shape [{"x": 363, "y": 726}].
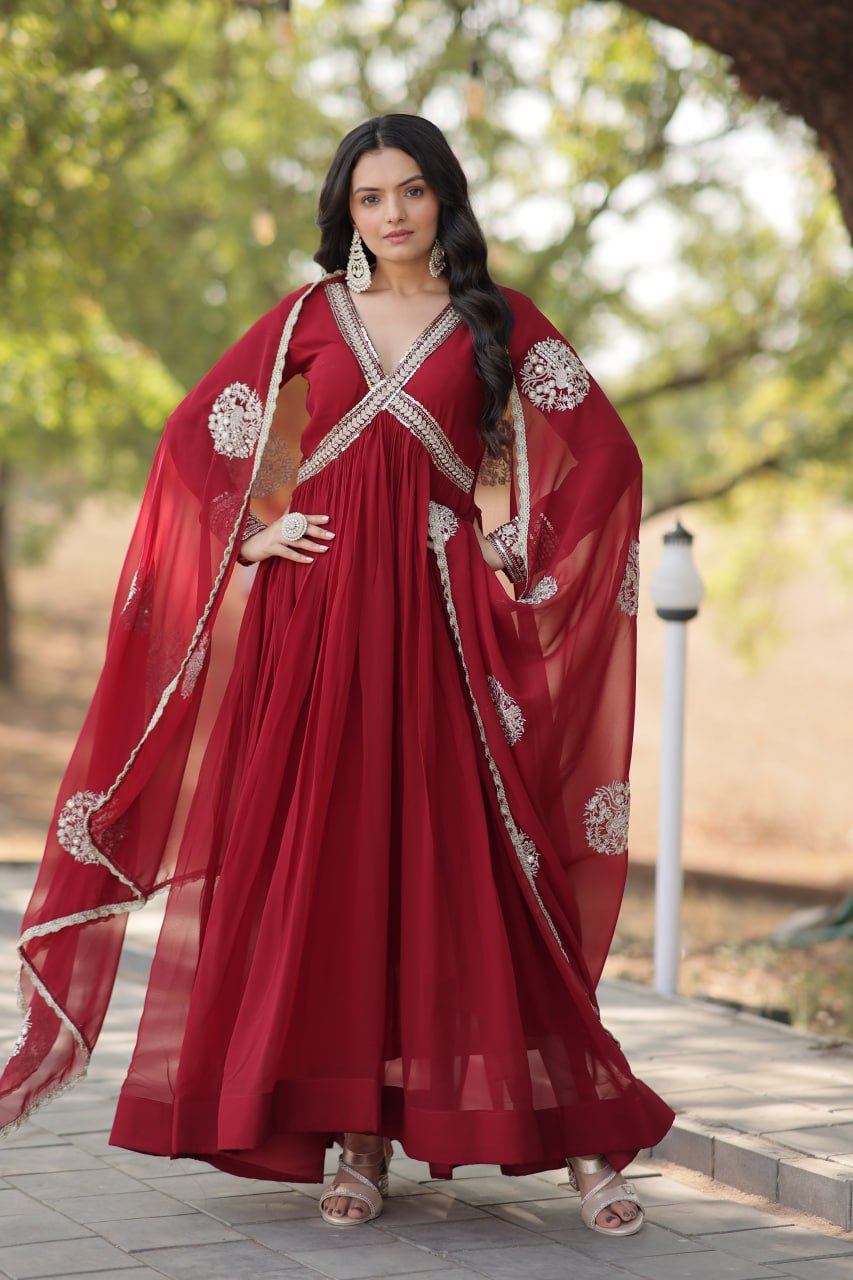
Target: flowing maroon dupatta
[{"x": 549, "y": 669}]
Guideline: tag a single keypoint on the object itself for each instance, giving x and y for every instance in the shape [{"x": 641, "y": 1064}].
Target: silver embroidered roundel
[
  {"x": 293, "y": 526},
  {"x": 72, "y": 825},
  {"x": 606, "y": 816},
  {"x": 552, "y": 377},
  {"x": 235, "y": 421}
]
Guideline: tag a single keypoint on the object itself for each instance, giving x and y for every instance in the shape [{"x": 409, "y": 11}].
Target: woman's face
[{"x": 393, "y": 207}]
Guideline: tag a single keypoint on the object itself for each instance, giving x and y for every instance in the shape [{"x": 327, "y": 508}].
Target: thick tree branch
[
  {"x": 774, "y": 463},
  {"x": 796, "y": 54}
]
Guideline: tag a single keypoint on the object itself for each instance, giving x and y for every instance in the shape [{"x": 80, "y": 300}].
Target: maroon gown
[{"x": 400, "y": 871}]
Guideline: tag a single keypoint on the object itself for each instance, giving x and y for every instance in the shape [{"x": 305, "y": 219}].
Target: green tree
[{"x": 164, "y": 160}]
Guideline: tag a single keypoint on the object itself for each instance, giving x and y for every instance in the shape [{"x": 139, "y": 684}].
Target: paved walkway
[{"x": 72, "y": 1206}]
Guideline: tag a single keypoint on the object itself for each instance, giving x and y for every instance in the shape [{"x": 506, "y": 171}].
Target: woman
[{"x": 391, "y": 896}]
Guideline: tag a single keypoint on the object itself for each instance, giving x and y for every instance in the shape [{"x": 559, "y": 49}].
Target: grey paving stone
[
  {"x": 818, "y": 1186},
  {"x": 62, "y": 1258},
  {"x": 12, "y": 1202},
  {"x": 402, "y": 1186},
  {"x": 138, "y": 1204},
  {"x": 710, "y": 1264},
  {"x": 469, "y": 1233},
  {"x": 827, "y": 1269},
  {"x": 662, "y": 1190},
  {"x": 712, "y": 1216},
  {"x": 829, "y": 1139},
  {"x": 88, "y": 1182},
  {"x": 689, "y": 1143},
  {"x": 201, "y": 1186},
  {"x": 449, "y": 1273},
  {"x": 243, "y": 1261},
  {"x": 144, "y": 1166},
  {"x": 28, "y": 1135},
  {"x": 278, "y": 1206},
  {"x": 431, "y": 1207},
  {"x": 540, "y": 1262},
  {"x": 543, "y": 1216},
  {"x": 96, "y": 1143},
  {"x": 785, "y": 1244},
  {"x": 773, "y": 1117},
  {"x": 35, "y": 1224},
  {"x": 134, "y": 1234},
  {"x": 77, "y": 1119},
  {"x": 499, "y": 1190},
  {"x": 44, "y": 1159},
  {"x": 651, "y": 1242},
  {"x": 304, "y": 1236},
  {"x": 748, "y": 1162},
  {"x": 370, "y": 1262}
]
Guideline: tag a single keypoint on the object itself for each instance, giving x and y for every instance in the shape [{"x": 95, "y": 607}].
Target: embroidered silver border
[
  {"x": 528, "y": 855},
  {"x": 508, "y": 711},
  {"x": 629, "y": 593},
  {"x": 385, "y": 392}
]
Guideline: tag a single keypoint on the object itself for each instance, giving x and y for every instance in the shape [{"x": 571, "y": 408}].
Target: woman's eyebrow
[{"x": 405, "y": 183}]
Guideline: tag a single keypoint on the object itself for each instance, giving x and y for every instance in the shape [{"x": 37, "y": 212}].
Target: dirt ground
[{"x": 768, "y": 795}]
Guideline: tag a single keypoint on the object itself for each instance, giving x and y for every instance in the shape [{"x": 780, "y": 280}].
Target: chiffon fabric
[{"x": 392, "y": 891}]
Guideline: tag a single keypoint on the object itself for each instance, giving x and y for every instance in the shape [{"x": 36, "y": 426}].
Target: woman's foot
[
  {"x": 597, "y": 1181},
  {"x": 368, "y": 1156}
]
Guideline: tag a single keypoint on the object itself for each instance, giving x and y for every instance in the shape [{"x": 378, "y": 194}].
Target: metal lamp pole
[{"x": 677, "y": 591}]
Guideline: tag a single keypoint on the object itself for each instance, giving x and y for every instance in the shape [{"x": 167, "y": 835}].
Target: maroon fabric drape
[{"x": 392, "y": 894}]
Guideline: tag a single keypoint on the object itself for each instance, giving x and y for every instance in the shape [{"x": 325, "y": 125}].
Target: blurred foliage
[{"x": 163, "y": 159}]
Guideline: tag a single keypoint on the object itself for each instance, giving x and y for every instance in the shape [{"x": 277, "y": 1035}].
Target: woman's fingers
[{"x": 296, "y": 550}]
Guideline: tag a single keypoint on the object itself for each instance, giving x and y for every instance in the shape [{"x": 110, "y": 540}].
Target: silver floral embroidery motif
[
  {"x": 508, "y": 711},
  {"x": 545, "y": 588},
  {"x": 72, "y": 825},
  {"x": 529, "y": 852},
  {"x": 606, "y": 816},
  {"x": 195, "y": 666},
  {"x": 235, "y": 421},
  {"x": 445, "y": 519},
  {"x": 223, "y": 514},
  {"x": 629, "y": 592},
  {"x": 552, "y": 376},
  {"x": 275, "y": 470},
  {"x": 22, "y": 1035}
]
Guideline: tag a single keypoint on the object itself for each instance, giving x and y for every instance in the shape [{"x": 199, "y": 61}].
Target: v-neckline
[{"x": 422, "y": 337}]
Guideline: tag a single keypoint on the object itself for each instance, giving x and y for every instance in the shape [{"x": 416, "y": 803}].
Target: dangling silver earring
[
  {"x": 436, "y": 260},
  {"x": 358, "y": 268}
]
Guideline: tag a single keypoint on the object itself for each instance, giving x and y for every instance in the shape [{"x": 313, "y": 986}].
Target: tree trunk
[
  {"x": 799, "y": 55},
  {"x": 7, "y": 661}
]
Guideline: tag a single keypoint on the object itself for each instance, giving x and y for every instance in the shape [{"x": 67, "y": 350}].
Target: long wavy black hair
[{"x": 472, "y": 291}]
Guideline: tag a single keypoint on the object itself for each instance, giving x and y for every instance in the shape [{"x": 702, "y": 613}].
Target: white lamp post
[{"x": 677, "y": 591}]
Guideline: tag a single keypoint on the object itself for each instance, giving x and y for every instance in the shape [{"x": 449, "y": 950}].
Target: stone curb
[{"x": 754, "y": 1164}]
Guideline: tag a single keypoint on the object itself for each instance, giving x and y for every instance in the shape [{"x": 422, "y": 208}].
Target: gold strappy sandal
[
  {"x": 603, "y": 1194},
  {"x": 370, "y": 1193}
]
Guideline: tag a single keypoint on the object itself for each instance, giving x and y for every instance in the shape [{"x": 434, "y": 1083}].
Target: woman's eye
[
  {"x": 415, "y": 191},
  {"x": 368, "y": 199}
]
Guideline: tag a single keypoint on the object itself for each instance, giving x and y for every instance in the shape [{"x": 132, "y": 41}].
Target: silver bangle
[{"x": 293, "y": 526}]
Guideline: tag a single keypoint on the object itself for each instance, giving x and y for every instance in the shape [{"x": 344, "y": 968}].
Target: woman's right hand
[{"x": 269, "y": 542}]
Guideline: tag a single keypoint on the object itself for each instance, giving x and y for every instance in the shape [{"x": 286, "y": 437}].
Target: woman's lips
[{"x": 397, "y": 237}]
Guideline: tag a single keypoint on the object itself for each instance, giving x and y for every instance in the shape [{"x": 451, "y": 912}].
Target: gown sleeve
[
  {"x": 115, "y": 828},
  {"x": 550, "y": 647}
]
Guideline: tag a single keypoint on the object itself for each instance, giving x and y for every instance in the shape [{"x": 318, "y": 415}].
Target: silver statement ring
[{"x": 293, "y": 526}]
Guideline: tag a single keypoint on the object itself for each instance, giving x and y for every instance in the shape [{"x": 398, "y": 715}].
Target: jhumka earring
[
  {"x": 358, "y": 268},
  {"x": 436, "y": 260}
]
